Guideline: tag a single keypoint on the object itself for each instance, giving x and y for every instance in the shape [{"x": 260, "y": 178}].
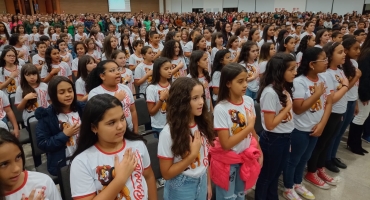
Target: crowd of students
[{"x": 201, "y": 84}]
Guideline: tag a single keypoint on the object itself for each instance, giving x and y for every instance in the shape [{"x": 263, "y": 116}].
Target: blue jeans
[
  {"x": 301, "y": 147},
  {"x": 236, "y": 186},
  {"x": 275, "y": 148},
  {"x": 186, "y": 188},
  {"x": 347, "y": 118},
  {"x": 70, "y": 47},
  {"x": 251, "y": 94},
  {"x": 156, "y": 135}
]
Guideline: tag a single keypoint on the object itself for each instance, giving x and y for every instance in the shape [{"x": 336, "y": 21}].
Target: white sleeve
[
  {"x": 220, "y": 118},
  {"x": 84, "y": 184},
  {"x": 131, "y": 60},
  {"x": 165, "y": 144},
  {"x": 216, "y": 80},
  {"x": 35, "y": 61},
  {"x": 44, "y": 71},
  {"x": 67, "y": 68},
  {"x": 18, "y": 96},
  {"x": 150, "y": 94},
  {"x": 80, "y": 88},
  {"x": 2, "y": 77},
  {"x": 52, "y": 191},
  {"x": 146, "y": 157},
  {"x": 268, "y": 102},
  {"x": 299, "y": 89},
  {"x": 92, "y": 94},
  {"x": 187, "y": 48},
  {"x": 5, "y": 99},
  {"x": 329, "y": 81},
  {"x": 262, "y": 67},
  {"x": 75, "y": 65},
  {"x": 139, "y": 72}
]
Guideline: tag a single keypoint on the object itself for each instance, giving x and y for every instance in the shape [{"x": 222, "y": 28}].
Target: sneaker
[
  {"x": 160, "y": 182},
  {"x": 302, "y": 190},
  {"x": 290, "y": 194},
  {"x": 316, "y": 181},
  {"x": 331, "y": 166},
  {"x": 325, "y": 177},
  {"x": 337, "y": 162}
]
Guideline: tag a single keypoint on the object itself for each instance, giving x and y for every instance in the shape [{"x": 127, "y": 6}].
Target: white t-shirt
[
  {"x": 126, "y": 102},
  {"x": 208, "y": 45},
  {"x": 188, "y": 47},
  {"x": 75, "y": 65},
  {"x": 261, "y": 42},
  {"x": 68, "y": 55},
  {"x": 65, "y": 70},
  {"x": 303, "y": 89},
  {"x": 334, "y": 80},
  {"x": 262, "y": 66},
  {"x": 215, "y": 83},
  {"x": 128, "y": 76},
  {"x": 252, "y": 69},
  {"x": 4, "y": 102},
  {"x": 38, "y": 60},
  {"x": 24, "y": 50},
  {"x": 298, "y": 58},
  {"x": 140, "y": 71},
  {"x": 213, "y": 54},
  {"x": 233, "y": 53},
  {"x": 35, "y": 180},
  {"x": 232, "y": 117},
  {"x": 55, "y": 37},
  {"x": 80, "y": 87},
  {"x": 352, "y": 94},
  {"x": 270, "y": 103},
  {"x": 67, "y": 120},
  {"x": 134, "y": 60},
  {"x": 206, "y": 86},
  {"x": 95, "y": 54},
  {"x": 12, "y": 87},
  {"x": 78, "y": 37},
  {"x": 200, "y": 164},
  {"x": 156, "y": 50},
  {"x": 182, "y": 72},
  {"x": 94, "y": 168},
  {"x": 42, "y": 100},
  {"x": 152, "y": 96}
]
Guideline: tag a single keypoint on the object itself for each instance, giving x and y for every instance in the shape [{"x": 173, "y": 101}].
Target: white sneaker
[
  {"x": 160, "y": 182},
  {"x": 290, "y": 194},
  {"x": 302, "y": 190}
]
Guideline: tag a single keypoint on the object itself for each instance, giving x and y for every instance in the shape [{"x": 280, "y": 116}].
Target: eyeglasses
[
  {"x": 325, "y": 60},
  {"x": 113, "y": 70}
]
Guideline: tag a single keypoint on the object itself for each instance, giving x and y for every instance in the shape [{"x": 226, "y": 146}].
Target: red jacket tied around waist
[{"x": 222, "y": 159}]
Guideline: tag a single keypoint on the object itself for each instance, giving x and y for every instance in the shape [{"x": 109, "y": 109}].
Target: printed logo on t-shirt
[
  {"x": 41, "y": 62},
  {"x": 138, "y": 62},
  {"x": 176, "y": 74},
  {"x": 164, "y": 104},
  {"x": 339, "y": 79},
  {"x": 209, "y": 48},
  {"x": 149, "y": 79},
  {"x": 251, "y": 70},
  {"x": 32, "y": 107},
  {"x": 318, "y": 104},
  {"x": 234, "y": 54},
  {"x": 66, "y": 124},
  {"x": 106, "y": 174},
  {"x": 196, "y": 162},
  {"x": 12, "y": 87},
  {"x": 238, "y": 120},
  {"x": 63, "y": 71},
  {"x": 206, "y": 89},
  {"x": 126, "y": 78}
]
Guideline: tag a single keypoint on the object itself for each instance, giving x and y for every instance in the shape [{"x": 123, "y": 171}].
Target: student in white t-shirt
[
  {"x": 16, "y": 182},
  {"x": 233, "y": 47},
  {"x": 337, "y": 82},
  {"x": 312, "y": 103},
  {"x": 111, "y": 162},
  {"x": 173, "y": 51},
  {"x": 234, "y": 118},
  {"x": 127, "y": 76},
  {"x": 53, "y": 66},
  {"x": 223, "y": 57},
  {"x": 92, "y": 50},
  {"x": 267, "y": 51},
  {"x": 322, "y": 37},
  {"x": 144, "y": 70},
  {"x": 17, "y": 42},
  {"x": 267, "y": 35},
  {"x": 274, "y": 97},
  {"x": 198, "y": 68},
  {"x": 350, "y": 70},
  {"x": 106, "y": 79},
  {"x": 190, "y": 125},
  {"x": 157, "y": 93},
  {"x": 110, "y": 44},
  {"x": 136, "y": 58},
  {"x": 188, "y": 48},
  {"x": 85, "y": 65},
  {"x": 207, "y": 33},
  {"x": 306, "y": 42},
  {"x": 63, "y": 52},
  {"x": 154, "y": 43},
  {"x": 9, "y": 70},
  {"x": 32, "y": 93},
  {"x": 201, "y": 44},
  {"x": 247, "y": 58},
  {"x": 216, "y": 44},
  {"x": 80, "y": 49}
]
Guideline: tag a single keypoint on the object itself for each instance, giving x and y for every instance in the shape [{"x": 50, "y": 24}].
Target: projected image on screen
[{"x": 119, "y": 5}]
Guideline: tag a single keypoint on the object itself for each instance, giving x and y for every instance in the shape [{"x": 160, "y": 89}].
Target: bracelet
[{"x": 345, "y": 86}]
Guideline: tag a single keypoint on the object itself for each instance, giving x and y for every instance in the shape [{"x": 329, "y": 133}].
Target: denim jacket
[{"x": 50, "y": 138}]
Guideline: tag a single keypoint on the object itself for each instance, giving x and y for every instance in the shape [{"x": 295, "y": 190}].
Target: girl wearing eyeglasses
[{"x": 106, "y": 79}]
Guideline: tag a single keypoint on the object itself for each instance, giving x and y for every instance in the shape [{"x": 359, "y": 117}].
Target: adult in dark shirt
[
  {"x": 88, "y": 24},
  {"x": 209, "y": 20}
]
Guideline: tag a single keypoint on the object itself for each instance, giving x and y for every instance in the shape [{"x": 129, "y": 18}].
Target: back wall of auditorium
[{"x": 180, "y": 6}]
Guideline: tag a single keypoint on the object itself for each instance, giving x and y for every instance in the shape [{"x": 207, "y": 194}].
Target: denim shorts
[
  {"x": 183, "y": 187},
  {"x": 236, "y": 186}
]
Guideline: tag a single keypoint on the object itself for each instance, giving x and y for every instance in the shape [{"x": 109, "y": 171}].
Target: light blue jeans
[
  {"x": 236, "y": 186},
  {"x": 251, "y": 94},
  {"x": 183, "y": 187}
]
